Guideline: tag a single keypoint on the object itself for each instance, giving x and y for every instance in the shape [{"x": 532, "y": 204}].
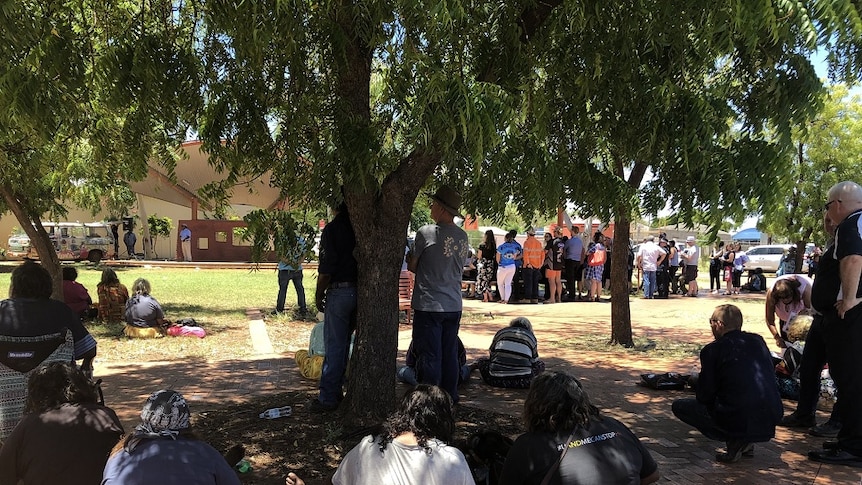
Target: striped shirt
[{"x": 513, "y": 352}]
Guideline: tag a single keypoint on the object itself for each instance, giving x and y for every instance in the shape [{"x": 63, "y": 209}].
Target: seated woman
[
  {"x": 411, "y": 447},
  {"x": 514, "y": 359},
  {"x": 595, "y": 448},
  {"x": 76, "y": 295},
  {"x": 66, "y": 435},
  {"x": 144, "y": 316},
  {"x": 163, "y": 449},
  {"x": 113, "y": 296}
]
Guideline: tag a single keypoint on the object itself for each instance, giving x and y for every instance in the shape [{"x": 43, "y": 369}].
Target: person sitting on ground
[
  {"x": 407, "y": 373},
  {"x": 737, "y": 394},
  {"x": 40, "y": 330},
  {"x": 66, "y": 435},
  {"x": 790, "y": 295},
  {"x": 559, "y": 417},
  {"x": 144, "y": 315},
  {"x": 163, "y": 449},
  {"x": 412, "y": 447},
  {"x": 76, "y": 295},
  {"x": 113, "y": 296},
  {"x": 514, "y": 359}
]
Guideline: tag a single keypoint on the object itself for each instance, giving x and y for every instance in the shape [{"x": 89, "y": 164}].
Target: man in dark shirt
[
  {"x": 336, "y": 297},
  {"x": 814, "y": 357},
  {"x": 843, "y": 323},
  {"x": 737, "y": 394}
]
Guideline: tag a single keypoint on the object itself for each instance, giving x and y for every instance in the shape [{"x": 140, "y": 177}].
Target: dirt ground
[{"x": 226, "y": 396}]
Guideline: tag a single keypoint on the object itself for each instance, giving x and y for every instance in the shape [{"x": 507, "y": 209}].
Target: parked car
[
  {"x": 768, "y": 257},
  {"x": 73, "y": 241}
]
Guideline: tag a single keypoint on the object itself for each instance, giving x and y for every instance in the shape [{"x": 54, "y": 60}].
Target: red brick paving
[{"x": 684, "y": 456}]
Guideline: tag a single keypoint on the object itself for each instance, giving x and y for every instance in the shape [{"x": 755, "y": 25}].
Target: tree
[
  {"x": 159, "y": 227},
  {"x": 77, "y": 116},
  {"x": 544, "y": 102},
  {"x": 827, "y": 152}
]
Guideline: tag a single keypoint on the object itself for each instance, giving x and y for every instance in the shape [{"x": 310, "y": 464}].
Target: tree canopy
[{"x": 619, "y": 107}]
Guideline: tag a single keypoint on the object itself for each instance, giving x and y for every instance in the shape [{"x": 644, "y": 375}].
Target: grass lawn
[{"x": 216, "y": 299}]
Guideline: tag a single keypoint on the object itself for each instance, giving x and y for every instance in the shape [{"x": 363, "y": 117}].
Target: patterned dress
[
  {"x": 487, "y": 268},
  {"x": 594, "y": 272},
  {"x": 112, "y": 302}
]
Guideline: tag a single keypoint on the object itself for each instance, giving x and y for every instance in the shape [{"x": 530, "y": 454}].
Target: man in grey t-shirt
[{"x": 437, "y": 259}]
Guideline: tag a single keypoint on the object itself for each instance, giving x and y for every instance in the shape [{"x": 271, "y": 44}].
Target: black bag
[
  {"x": 486, "y": 452},
  {"x": 669, "y": 381}
]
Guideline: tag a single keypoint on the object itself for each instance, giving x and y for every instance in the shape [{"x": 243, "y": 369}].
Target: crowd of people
[
  {"x": 568, "y": 269},
  {"x": 737, "y": 396}
]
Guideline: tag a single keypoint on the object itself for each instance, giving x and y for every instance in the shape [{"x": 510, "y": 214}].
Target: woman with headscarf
[
  {"x": 569, "y": 442},
  {"x": 164, "y": 450},
  {"x": 486, "y": 266}
]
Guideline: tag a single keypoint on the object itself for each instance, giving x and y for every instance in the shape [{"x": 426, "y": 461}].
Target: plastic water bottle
[
  {"x": 243, "y": 466},
  {"x": 276, "y": 413}
]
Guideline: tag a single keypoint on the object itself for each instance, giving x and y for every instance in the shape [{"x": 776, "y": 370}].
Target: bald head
[{"x": 844, "y": 198}]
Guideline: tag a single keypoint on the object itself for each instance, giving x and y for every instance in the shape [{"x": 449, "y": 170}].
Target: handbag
[
  {"x": 597, "y": 258},
  {"x": 556, "y": 465}
]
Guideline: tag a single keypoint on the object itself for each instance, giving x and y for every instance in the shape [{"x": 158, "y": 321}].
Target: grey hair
[
  {"x": 522, "y": 322},
  {"x": 141, "y": 287}
]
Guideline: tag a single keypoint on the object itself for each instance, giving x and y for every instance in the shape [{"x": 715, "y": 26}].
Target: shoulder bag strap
[{"x": 556, "y": 465}]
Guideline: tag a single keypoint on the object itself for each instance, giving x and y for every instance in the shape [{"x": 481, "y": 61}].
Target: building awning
[{"x": 750, "y": 234}]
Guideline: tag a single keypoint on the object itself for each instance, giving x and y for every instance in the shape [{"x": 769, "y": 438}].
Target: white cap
[{"x": 689, "y": 239}]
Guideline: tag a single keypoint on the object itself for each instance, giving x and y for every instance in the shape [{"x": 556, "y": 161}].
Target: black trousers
[
  {"x": 814, "y": 357},
  {"x": 573, "y": 275},
  {"x": 662, "y": 279},
  {"x": 843, "y": 341}
]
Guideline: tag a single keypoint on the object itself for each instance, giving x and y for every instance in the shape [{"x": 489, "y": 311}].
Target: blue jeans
[
  {"x": 531, "y": 283},
  {"x": 284, "y": 279},
  {"x": 339, "y": 323},
  {"x": 649, "y": 283},
  {"x": 435, "y": 343}
]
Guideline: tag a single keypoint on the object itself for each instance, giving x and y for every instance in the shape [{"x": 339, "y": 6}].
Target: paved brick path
[{"x": 684, "y": 456}]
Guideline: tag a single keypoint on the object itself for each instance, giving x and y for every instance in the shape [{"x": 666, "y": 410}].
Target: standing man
[
  {"x": 129, "y": 239},
  {"x": 690, "y": 256},
  {"x": 437, "y": 258},
  {"x": 574, "y": 256},
  {"x": 186, "y": 242},
  {"x": 650, "y": 255},
  {"x": 737, "y": 396},
  {"x": 534, "y": 256},
  {"x": 336, "y": 297},
  {"x": 843, "y": 324},
  {"x": 290, "y": 269}
]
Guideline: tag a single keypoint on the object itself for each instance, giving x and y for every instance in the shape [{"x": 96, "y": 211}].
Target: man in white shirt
[
  {"x": 649, "y": 257},
  {"x": 690, "y": 256}
]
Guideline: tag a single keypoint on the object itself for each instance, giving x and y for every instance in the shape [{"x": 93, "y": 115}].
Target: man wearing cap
[
  {"x": 690, "y": 256},
  {"x": 437, "y": 258},
  {"x": 186, "y": 242},
  {"x": 534, "y": 256}
]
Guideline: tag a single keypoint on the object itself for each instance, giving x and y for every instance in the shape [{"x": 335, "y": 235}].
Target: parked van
[
  {"x": 768, "y": 257},
  {"x": 73, "y": 241}
]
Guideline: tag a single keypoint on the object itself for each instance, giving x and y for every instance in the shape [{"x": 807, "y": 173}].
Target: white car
[{"x": 768, "y": 257}]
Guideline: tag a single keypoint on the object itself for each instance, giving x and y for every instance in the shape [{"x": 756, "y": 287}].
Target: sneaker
[
  {"x": 829, "y": 429},
  {"x": 735, "y": 451},
  {"x": 794, "y": 420},
  {"x": 317, "y": 407}
]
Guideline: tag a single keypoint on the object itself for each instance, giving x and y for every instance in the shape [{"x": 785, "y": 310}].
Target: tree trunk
[
  {"x": 621, "y": 320},
  {"x": 32, "y": 226}
]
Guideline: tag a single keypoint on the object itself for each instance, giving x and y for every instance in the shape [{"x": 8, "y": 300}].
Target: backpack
[
  {"x": 486, "y": 451},
  {"x": 597, "y": 258}
]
